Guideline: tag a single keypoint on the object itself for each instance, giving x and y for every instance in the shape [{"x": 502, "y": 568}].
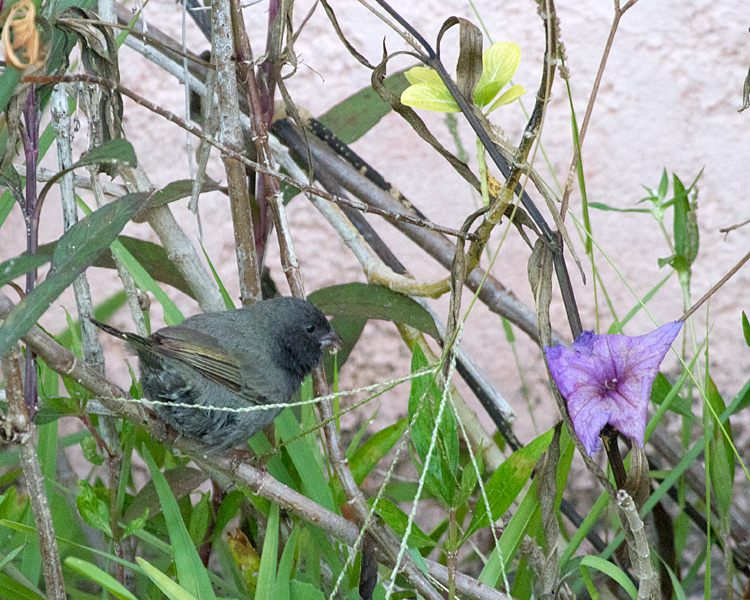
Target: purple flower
[{"x": 608, "y": 379}]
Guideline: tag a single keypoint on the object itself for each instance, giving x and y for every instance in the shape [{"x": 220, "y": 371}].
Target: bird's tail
[{"x": 131, "y": 338}]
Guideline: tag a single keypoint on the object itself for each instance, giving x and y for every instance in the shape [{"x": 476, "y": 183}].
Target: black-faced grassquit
[{"x": 251, "y": 356}]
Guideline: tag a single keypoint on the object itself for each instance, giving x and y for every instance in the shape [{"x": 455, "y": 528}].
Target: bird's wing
[
  {"x": 254, "y": 378},
  {"x": 262, "y": 385},
  {"x": 200, "y": 351}
]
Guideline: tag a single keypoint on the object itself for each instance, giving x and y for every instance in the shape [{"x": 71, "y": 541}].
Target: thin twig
[
  {"x": 60, "y": 121},
  {"x": 619, "y": 12},
  {"x": 716, "y": 287},
  {"x": 30, "y": 139},
  {"x": 195, "y": 130}
]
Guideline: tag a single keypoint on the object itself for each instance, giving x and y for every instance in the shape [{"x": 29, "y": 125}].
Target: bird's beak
[{"x": 332, "y": 341}]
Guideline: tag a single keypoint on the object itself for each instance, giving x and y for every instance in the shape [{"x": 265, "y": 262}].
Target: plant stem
[{"x": 21, "y": 429}]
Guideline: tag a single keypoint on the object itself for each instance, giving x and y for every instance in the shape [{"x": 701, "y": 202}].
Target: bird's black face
[{"x": 304, "y": 336}]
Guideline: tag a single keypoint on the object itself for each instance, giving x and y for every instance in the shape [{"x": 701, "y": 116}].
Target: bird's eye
[{"x": 310, "y": 328}]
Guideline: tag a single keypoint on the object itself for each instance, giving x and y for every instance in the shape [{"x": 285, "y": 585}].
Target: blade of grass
[
  {"x": 267, "y": 572},
  {"x": 191, "y": 573}
]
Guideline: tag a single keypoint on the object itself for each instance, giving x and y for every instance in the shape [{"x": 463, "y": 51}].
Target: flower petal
[
  {"x": 639, "y": 359},
  {"x": 608, "y": 379}
]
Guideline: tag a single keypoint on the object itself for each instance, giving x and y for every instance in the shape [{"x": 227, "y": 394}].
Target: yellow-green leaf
[
  {"x": 500, "y": 62},
  {"x": 417, "y": 75},
  {"x": 429, "y": 97},
  {"x": 512, "y": 94},
  {"x": 103, "y": 578}
]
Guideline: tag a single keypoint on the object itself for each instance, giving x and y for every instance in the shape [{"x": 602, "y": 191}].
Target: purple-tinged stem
[{"x": 30, "y": 139}]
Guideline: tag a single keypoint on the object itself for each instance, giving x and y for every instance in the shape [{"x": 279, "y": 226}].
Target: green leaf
[
  {"x": 100, "y": 577},
  {"x": 613, "y": 571},
  {"x": 722, "y": 481},
  {"x": 118, "y": 152},
  {"x": 692, "y": 236},
  {"x": 677, "y": 586},
  {"x": 153, "y": 258},
  {"x": 112, "y": 153},
  {"x": 287, "y": 564},
  {"x": 677, "y": 262},
  {"x": 11, "y": 180},
  {"x": 373, "y": 302},
  {"x": 304, "y": 453},
  {"x": 607, "y": 207},
  {"x": 77, "y": 249},
  {"x": 92, "y": 508},
  {"x": 350, "y": 330},
  {"x": 91, "y": 451},
  {"x": 267, "y": 570},
  {"x": 135, "y": 525},
  {"x": 681, "y": 209},
  {"x": 511, "y": 95},
  {"x": 351, "y": 118},
  {"x": 423, "y": 76},
  {"x": 8, "y": 82},
  {"x": 469, "y": 480},
  {"x": 199, "y": 520},
  {"x": 365, "y": 458},
  {"x": 171, "y": 590},
  {"x": 721, "y": 456},
  {"x": 12, "y": 506},
  {"x": 508, "y": 481},
  {"x": 144, "y": 281},
  {"x": 617, "y": 326},
  {"x": 302, "y": 590},
  {"x": 191, "y": 573},
  {"x": 222, "y": 288},
  {"x": 663, "y": 187},
  {"x": 9, "y": 587},
  {"x": 662, "y": 389},
  {"x": 15, "y": 267},
  {"x": 425, "y": 397},
  {"x": 746, "y": 328},
  {"x": 430, "y": 97},
  {"x": 177, "y": 190},
  {"x": 229, "y": 507},
  {"x": 397, "y": 520},
  {"x": 510, "y": 540},
  {"x": 500, "y": 62},
  {"x": 181, "y": 480}
]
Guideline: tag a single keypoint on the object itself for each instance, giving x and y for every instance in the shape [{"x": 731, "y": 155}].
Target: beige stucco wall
[{"x": 669, "y": 99}]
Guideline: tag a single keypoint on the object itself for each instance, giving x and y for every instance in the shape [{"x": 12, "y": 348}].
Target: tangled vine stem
[{"x": 512, "y": 173}]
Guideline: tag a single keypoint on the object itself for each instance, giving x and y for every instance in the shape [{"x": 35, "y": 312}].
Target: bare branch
[{"x": 230, "y": 135}]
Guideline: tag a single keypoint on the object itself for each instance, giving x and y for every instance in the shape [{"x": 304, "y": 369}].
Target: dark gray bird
[{"x": 255, "y": 355}]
